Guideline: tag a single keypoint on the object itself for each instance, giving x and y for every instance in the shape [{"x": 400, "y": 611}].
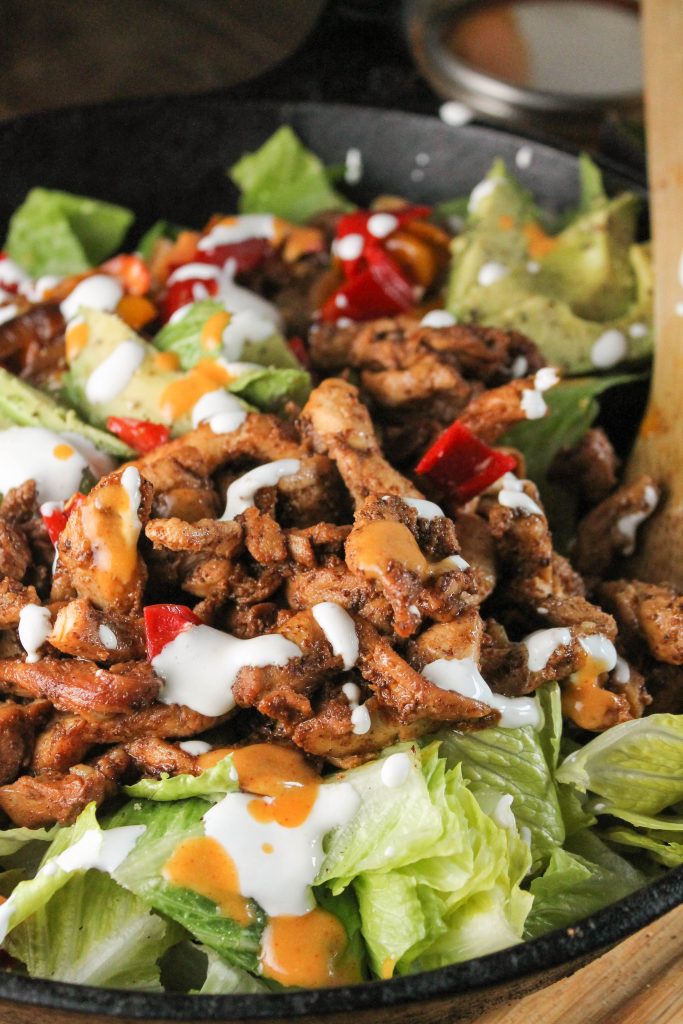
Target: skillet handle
[{"x": 356, "y": 53}]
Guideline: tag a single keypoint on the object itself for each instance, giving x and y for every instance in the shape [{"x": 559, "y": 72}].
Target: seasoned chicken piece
[
  {"x": 33, "y": 341},
  {"x": 609, "y": 530},
  {"x": 647, "y": 612},
  {"x": 18, "y": 726},
  {"x": 335, "y": 582},
  {"x": 264, "y": 539},
  {"x": 13, "y": 597},
  {"x": 665, "y": 683},
  {"x": 213, "y": 536},
  {"x": 427, "y": 377},
  {"x": 251, "y": 621},
  {"x": 478, "y": 549},
  {"x": 36, "y": 801},
  {"x": 15, "y": 553},
  {"x": 460, "y": 638},
  {"x": 20, "y": 510},
  {"x": 83, "y": 631},
  {"x": 67, "y": 740},
  {"x": 82, "y": 686},
  {"x": 155, "y": 757},
  {"x": 337, "y": 424},
  {"x": 98, "y": 547},
  {"x": 406, "y": 694},
  {"x": 493, "y": 412},
  {"x": 590, "y": 466},
  {"x": 383, "y": 547}
]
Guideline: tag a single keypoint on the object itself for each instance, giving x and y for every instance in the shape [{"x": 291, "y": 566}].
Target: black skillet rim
[{"x": 561, "y": 947}]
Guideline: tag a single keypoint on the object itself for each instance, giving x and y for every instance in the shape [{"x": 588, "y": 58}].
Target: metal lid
[{"x": 560, "y": 66}]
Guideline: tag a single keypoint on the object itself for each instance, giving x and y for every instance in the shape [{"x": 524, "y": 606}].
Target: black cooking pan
[{"x": 167, "y": 158}]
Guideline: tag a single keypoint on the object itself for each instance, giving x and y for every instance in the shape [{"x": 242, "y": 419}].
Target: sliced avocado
[
  {"x": 141, "y": 398},
  {"x": 565, "y": 291},
  {"x": 25, "y": 406}
]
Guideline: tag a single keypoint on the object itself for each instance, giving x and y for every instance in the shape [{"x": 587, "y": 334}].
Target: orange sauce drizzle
[
  {"x": 375, "y": 546},
  {"x": 181, "y": 395},
  {"x": 587, "y": 703},
  {"x": 75, "y": 340},
  {"x": 109, "y": 526},
  {"x": 538, "y": 242},
  {"x": 210, "y": 338},
  {"x": 212, "y": 757},
  {"x": 202, "y": 865},
  {"x": 268, "y": 769},
  {"x": 506, "y": 222},
  {"x": 165, "y": 361},
  {"x": 62, "y": 451},
  {"x": 309, "y": 951},
  {"x": 136, "y": 310}
]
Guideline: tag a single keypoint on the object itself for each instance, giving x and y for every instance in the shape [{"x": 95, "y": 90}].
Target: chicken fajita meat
[{"x": 330, "y": 605}]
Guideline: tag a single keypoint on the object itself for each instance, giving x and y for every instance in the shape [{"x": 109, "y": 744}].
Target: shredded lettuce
[
  {"x": 223, "y": 978},
  {"x": 59, "y": 233},
  {"x": 580, "y": 879},
  {"x": 285, "y": 178},
  {"x": 636, "y": 766},
  {"x": 212, "y": 784},
  {"x": 272, "y": 388}
]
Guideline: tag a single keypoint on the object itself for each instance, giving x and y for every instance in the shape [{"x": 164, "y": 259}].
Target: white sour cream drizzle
[
  {"x": 395, "y": 770},
  {"x": 542, "y": 644},
  {"x": 628, "y": 524},
  {"x": 246, "y": 325},
  {"x": 130, "y": 481},
  {"x": 11, "y": 273},
  {"x": 101, "y": 291},
  {"x": 382, "y": 224},
  {"x": 502, "y": 813},
  {"x": 532, "y": 400},
  {"x": 279, "y": 881},
  {"x": 239, "y": 229},
  {"x": 114, "y": 374},
  {"x": 524, "y": 157},
  {"x": 107, "y": 637},
  {"x": 200, "y": 666},
  {"x": 519, "y": 367},
  {"x": 103, "y": 851},
  {"x": 601, "y": 651},
  {"x": 610, "y": 348},
  {"x": 195, "y": 272},
  {"x": 352, "y": 693},
  {"x": 28, "y": 453},
  {"x": 219, "y": 403},
  {"x": 461, "y": 675},
  {"x": 360, "y": 720},
  {"x": 349, "y": 247},
  {"x": 8, "y": 313},
  {"x": 339, "y": 630},
  {"x": 241, "y": 492},
  {"x": 455, "y": 114},
  {"x": 195, "y": 747},
  {"x": 622, "y": 671},
  {"x": 438, "y": 318},
  {"x": 511, "y": 494},
  {"x": 353, "y": 166},
  {"x": 481, "y": 191},
  {"x": 35, "y": 627},
  {"x": 491, "y": 272}
]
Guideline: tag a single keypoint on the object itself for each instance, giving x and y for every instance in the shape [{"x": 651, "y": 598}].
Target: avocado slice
[
  {"x": 25, "y": 406},
  {"x": 565, "y": 290}
]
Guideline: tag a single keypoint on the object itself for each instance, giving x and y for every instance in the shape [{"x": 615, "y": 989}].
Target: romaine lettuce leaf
[
  {"x": 223, "y": 978},
  {"x": 167, "y": 825},
  {"x": 184, "y": 338},
  {"x": 160, "y": 229},
  {"x": 285, "y": 178},
  {"x": 212, "y": 784},
  {"x": 93, "y": 932},
  {"x": 636, "y": 766},
  {"x": 661, "y": 846},
  {"x": 271, "y": 389},
  {"x": 519, "y": 763},
  {"x": 13, "y": 839},
  {"x": 56, "y": 232},
  {"x": 579, "y": 880}
]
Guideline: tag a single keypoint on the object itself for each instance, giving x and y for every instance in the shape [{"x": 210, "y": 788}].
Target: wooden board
[{"x": 638, "y": 982}]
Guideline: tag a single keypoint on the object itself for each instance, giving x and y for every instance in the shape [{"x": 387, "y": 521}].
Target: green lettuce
[
  {"x": 435, "y": 877},
  {"x": 14, "y": 839},
  {"x": 636, "y": 766},
  {"x": 160, "y": 229},
  {"x": 168, "y": 825},
  {"x": 223, "y": 978},
  {"x": 184, "y": 338},
  {"x": 283, "y": 177},
  {"x": 271, "y": 388},
  {"x": 579, "y": 880},
  {"x": 59, "y": 233},
  {"x": 93, "y": 932},
  {"x": 519, "y": 763},
  {"x": 660, "y": 845},
  {"x": 211, "y": 784}
]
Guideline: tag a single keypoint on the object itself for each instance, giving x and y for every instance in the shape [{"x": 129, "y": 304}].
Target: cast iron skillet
[{"x": 167, "y": 158}]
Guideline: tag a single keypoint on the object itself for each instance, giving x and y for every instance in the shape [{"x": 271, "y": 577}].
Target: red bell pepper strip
[
  {"x": 131, "y": 270},
  {"x": 248, "y": 255},
  {"x": 181, "y": 293},
  {"x": 383, "y": 289},
  {"x": 56, "y": 514},
  {"x": 299, "y": 349},
  {"x": 143, "y": 435},
  {"x": 463, "y": 465},
  {"x": 164, "y": 622},
  {"x": 357, "y": 224}
]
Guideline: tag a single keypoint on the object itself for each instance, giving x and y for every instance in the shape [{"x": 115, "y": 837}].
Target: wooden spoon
[{"x": 659, "y": 448}]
